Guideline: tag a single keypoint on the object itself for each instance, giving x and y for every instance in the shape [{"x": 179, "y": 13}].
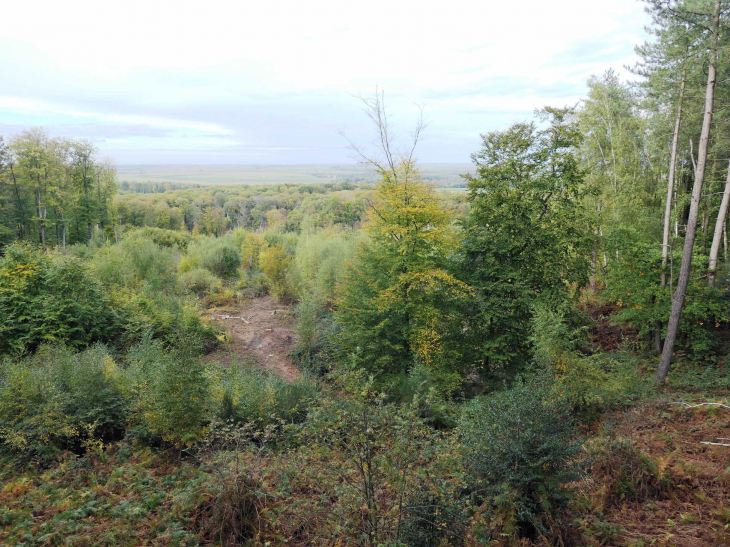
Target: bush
[
  {"x": 255, "y": 283},
  {"x": 171, "y": 392},
  {"x": 591, "y": 383},
  {"x": 250, "y": 245},
  {"x": 217, "y": 255},
  {"x": 623, "y": 471},
  {"x": 58, "y": 400},
  {"x": 200, "y": 281},
  {"x": 154, "y": 266},
  {"x": 276, "y": 264},
  {"x": 521, "y": 449},
  {"x": 50, "y": 298},
  {"x": 162, "y": 237},
  {"x": 248, "y": 395},
  {"x": 396, "y": 481},
  {"x": 315, "y": 350},
  {"x": 164, "y": 316}
]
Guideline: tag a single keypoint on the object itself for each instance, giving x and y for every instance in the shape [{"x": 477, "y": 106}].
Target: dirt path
[{"x": 262, "y": 329}]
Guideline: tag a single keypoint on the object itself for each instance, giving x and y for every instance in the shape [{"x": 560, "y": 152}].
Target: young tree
[
  {"x": 399, "y": 305},
  {"x": 83, "y": 172}
]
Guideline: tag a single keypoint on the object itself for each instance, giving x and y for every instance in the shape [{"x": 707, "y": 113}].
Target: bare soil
[{"x": 261, "y": 329}]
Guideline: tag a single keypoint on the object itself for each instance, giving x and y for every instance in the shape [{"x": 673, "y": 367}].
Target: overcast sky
[{"x": 264, "y": 81}]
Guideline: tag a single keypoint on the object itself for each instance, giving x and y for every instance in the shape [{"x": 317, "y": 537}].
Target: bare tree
[{"x": 389, "y": 161}]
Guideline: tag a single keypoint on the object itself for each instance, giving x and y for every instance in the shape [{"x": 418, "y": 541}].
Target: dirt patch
[
  {"x": 604, "y": 333},
  {"x": 261, "y": 329}
]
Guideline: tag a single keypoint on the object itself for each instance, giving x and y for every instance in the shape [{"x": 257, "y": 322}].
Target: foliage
[
  {"x": 633, "y": 283},
  {"x": 276, "y": 263},
  {"x": 398, "y": 304},
  {"x": 382, "y": 459},
  {"x": 60, "y": 400},
  {"x": 244, "y": 394},
  {"x": 522, "y": 451},
  {"x": 200, "y": 281},
  {"x": 50, "y": 298},
  {"x": 219, "y": 256},
  {"x": 590, "y": 383},
  {"x": 526, "y": 235},
  {"x": 172, "y": 391}
]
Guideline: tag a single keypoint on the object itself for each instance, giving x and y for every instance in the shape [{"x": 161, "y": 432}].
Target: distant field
[{"x": 439, "y": 174}]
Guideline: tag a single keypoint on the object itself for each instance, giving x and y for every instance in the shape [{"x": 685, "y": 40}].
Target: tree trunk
[
  {"x": 668, "y": 204},
  {"x": 670, "y": 180},
  {"x": 63, "y": 230},
  {"x": 689, "y": 238},
  {"x": 41, "y": 219},
  {"x": 719, "y": 230},
  {"x": 19, "y": 203}
]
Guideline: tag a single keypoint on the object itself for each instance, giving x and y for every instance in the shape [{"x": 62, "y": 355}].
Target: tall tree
[
  {"x": 527, "y": 235},
  {"x": 689, "y": 238},
  {"x": 34, "y": 154},
  {"x": 82, "y": 162}
]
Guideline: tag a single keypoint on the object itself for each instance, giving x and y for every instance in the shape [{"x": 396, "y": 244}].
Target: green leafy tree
[{"x": 527, "y": 236}]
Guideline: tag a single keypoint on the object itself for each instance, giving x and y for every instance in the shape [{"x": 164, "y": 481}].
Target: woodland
[{"x": 540, "y": 360}]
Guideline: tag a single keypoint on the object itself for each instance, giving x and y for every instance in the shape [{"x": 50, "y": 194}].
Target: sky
[{"x": 275, "y": 82}]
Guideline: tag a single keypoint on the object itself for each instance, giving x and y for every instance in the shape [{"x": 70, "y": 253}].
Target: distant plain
[{"x": 440, "y": 174}]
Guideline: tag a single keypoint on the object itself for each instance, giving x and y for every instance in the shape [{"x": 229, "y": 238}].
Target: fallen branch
[
  {"x": 232, "y": 317},
  {"x": 714, "y": 444},
  {"x": 700, "y": 404}
]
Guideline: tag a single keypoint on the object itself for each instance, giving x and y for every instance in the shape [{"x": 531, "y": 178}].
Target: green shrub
[
  {"x": 167, "y": 317},
  {"x": 50, "y": 297},
  {"x": 590, "y": 383},
  {"x": 255, "y": 283},
  {"x": 59, "y": 400},
  {"x": 154, "y": 266},
  {"x": 200, "y": 281},
  {"x": 396, "y": 480},
  {"x": 171, "y": 392},
  {"x": 623, "y": 471},
  {"x": 220, "y": 256},
  {"x": 316, "y": 349},
  {"x": 245, "y": 394},
  {"x": 521, "y": 449},
  {"x": 277, "y": 266},
  {"x": 162, "y": 237}
]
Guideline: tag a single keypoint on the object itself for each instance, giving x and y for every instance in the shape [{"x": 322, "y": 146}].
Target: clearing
[{"x": 262, "y": 329}]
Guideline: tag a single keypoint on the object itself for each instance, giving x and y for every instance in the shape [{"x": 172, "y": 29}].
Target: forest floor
[
  {"x": 261, "y": 329},
  {"x": 691, "y": 506}
]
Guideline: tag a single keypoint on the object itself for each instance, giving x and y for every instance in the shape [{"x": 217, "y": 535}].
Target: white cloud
[{"x": 257, "y": 71}]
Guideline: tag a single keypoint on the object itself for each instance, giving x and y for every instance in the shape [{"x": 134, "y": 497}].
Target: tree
[
  {"x": 719, "y": 231},
  {"x": 527, "y": 236},
  {"x": 34, "y": 155},
  {"x": 399, "y": 304},
  {"x": 689, "y": 238}
]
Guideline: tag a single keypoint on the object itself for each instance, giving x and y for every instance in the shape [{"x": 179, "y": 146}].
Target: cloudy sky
[{"x": 268, "y": 81}]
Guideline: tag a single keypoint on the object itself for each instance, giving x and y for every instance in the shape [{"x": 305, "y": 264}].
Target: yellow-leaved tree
[{"x": 399, "y": 305}]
